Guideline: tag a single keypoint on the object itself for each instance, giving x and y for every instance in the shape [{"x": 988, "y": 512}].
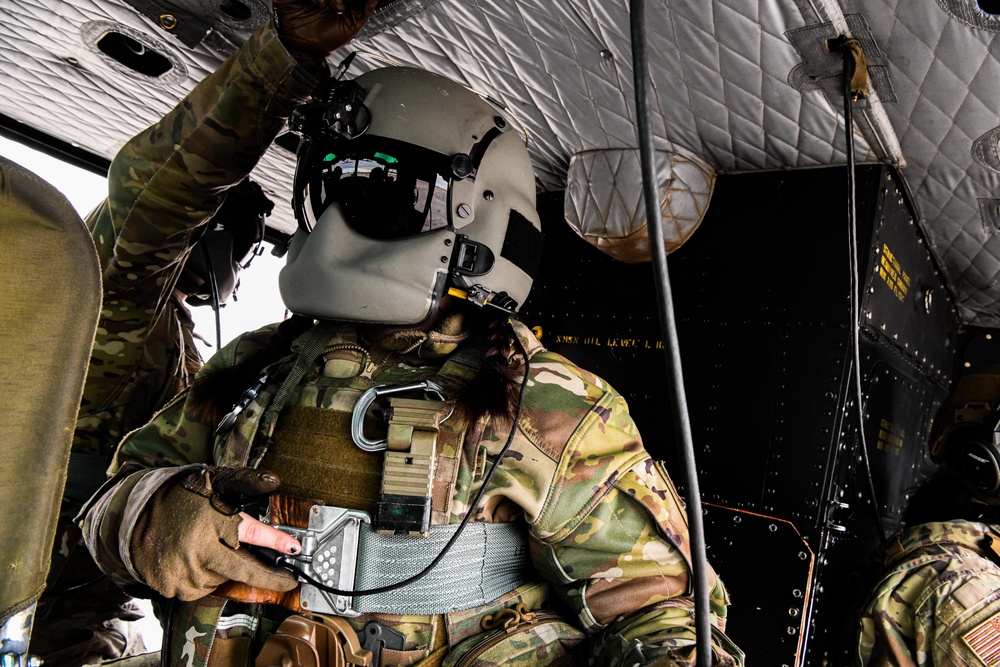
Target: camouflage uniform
[
  {"x": 937, "y": 602},
  {"x": 607, "y": 532},
  {"x": 164, "y": 185}
]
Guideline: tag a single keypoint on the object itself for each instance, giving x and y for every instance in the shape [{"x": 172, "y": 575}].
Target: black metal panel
[
  {"x": 905, "y": 298},
  {"x": 809, "y": 396},
  {"x": 772, "y": 605},
  {"x": 846, "y": 565},
  {"x": 899, "y": 403},
  {"x": 898, "y": 407},
  {"x": 761, "y": 293},
  {"x": 762, "y": 300}
]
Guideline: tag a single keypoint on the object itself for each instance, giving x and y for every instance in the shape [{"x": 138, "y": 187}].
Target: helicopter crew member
[
  {"x": 450, "y": 491},
  {"x": 936, "y": 601}
]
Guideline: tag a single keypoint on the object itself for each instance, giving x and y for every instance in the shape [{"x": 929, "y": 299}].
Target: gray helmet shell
[{"x": 333, "y": 272}]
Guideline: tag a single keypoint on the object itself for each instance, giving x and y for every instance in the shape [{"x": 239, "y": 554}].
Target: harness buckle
[{"x": 330, "y": 555}]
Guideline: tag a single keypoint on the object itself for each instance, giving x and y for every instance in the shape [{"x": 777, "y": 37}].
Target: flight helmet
[{"x": 408, "y": 186}]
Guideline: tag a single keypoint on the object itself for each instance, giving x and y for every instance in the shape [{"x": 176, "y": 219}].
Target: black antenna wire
[
  {"x": 169, "y": 609},
  {"x": 682, "y": 423}
]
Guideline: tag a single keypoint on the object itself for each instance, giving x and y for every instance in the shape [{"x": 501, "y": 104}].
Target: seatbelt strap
[
  {"x": 340, "y": 548},
  {"x": 487, "y": 561}
]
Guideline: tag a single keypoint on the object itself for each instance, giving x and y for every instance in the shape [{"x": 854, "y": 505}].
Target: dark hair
[{"x": 493, "y": 392}]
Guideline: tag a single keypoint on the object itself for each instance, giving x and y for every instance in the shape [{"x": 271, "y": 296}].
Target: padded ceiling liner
[{"x": 742, "y": 85}]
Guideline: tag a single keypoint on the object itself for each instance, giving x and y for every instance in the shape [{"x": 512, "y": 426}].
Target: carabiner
[{"x": 367, "y": 398}]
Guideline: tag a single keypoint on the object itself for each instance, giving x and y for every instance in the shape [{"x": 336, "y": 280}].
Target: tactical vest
[{"x": 297, "y": 423}]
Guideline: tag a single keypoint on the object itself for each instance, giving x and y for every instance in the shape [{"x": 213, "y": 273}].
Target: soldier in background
[
  {"x": 937, "y": 600},
  {"x": 180, "y": 219}
]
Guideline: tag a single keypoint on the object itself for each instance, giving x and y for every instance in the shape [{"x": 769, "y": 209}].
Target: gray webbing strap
[
  {"x": 487, "y": 560},
  {"x": 313, "y": 343}
]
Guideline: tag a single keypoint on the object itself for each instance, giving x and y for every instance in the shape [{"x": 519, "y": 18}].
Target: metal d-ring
[{"x": 367, "y": 398}]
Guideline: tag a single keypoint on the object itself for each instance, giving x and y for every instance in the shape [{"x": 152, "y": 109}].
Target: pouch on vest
[{"x": 518, "y": 636}]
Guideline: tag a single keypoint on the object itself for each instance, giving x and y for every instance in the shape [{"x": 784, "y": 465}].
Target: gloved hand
[
  {"x": 312, "y": 29},
  {"x": 186, "y": 541}
]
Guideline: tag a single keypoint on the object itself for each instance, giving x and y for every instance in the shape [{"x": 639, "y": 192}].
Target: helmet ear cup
[
  {"x": 235, "y": 230},
  {"x": 211, "y": 260},
  {"x": 973, "y": 456}
]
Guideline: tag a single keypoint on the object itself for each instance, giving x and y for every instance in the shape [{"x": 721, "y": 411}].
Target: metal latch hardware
[
  {"x": 329, "y": 555},
  {"x": 367, "y": 398}
]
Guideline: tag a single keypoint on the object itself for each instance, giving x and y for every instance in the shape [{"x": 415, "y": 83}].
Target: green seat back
[{"x": 50, "y": 299}]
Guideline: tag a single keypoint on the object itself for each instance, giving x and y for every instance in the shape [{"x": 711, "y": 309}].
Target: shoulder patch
[{"x": 984, "y": 640}]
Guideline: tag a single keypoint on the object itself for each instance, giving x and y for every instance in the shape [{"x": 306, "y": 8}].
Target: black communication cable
[
  {"x": 849, "y": 50},
  {"x": 682, "y": 423},
  {"x": 169, "y": 608},
  {"x": 75, "y": 587},
  {"x": 213, "y": 284}
]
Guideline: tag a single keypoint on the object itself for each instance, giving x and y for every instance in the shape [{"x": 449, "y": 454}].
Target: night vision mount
[{"x": 336, "y": 109}]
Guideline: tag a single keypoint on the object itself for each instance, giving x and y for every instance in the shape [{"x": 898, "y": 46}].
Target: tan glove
[
  {"x": 312, "y": 29},
  {"x": 186, "y": 541}
]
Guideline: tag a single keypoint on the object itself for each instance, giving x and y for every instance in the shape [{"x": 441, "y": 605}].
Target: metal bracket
[{"x": 330, "y": 555}]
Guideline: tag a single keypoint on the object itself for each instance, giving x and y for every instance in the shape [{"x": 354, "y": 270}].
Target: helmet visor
[{"x": 387, "y": 189}]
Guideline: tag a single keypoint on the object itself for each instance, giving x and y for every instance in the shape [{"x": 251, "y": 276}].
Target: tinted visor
[{"x": 387, "y": 189}]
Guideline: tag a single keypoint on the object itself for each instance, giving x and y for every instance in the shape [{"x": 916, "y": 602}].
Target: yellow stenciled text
[
  {"x": 893, "y": 274},
  {"x": 890, "y": 438}
]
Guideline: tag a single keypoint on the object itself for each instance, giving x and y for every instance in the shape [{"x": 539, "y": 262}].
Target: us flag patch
[{"x": 984, "y": 640}]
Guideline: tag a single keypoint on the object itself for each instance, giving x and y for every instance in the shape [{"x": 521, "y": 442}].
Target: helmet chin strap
[{"x": 482, "y": 297}]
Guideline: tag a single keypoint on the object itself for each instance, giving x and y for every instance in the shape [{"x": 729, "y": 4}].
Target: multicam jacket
[
  {"x": 165, "y": 184},
  {"x": 607, "y": 532},
  {"x": 937, "y": 602}
]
